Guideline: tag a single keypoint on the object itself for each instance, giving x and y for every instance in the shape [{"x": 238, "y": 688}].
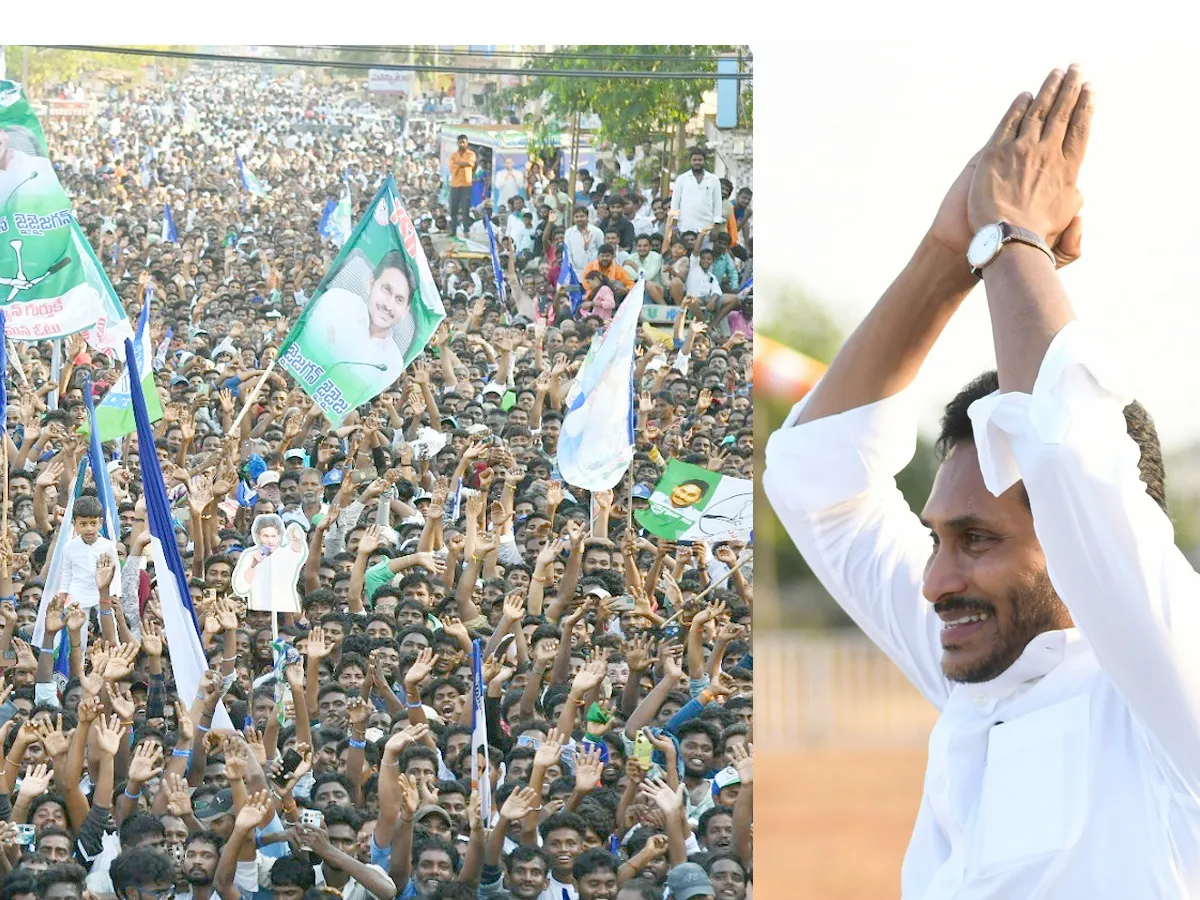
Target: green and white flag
[
  {"x": 250, "y": 181},
  {"x": 371, "y": 315},
  {"x": 114, "y": 414},
  {"x": 693, "y": 504},
  {"x": 51, "y": 284}
]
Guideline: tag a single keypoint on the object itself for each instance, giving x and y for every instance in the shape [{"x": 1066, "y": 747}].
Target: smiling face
[
  {"x": 986, "y": 576},
  {"x": 387, "y": 302}
]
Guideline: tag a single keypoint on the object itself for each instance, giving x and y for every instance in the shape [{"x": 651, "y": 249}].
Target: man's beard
[
  {"x": 1035, "y": 609},
  {"x": 198, "y": 877}
]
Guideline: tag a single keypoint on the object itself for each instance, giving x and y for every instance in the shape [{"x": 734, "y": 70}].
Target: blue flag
[
  {"x": 497, "y": 272},
  {"x": 188, "y": 661},
  {"x": 595, "y": 446},
  {"x": 568, "y": 279},
  {"x": 169, "y": 233},
  {"x": 104, "y": 492},
  {"x": 250, "y": 181},
  {"x": 480, "y": 775},
  {"x": 747, "y": 287}
]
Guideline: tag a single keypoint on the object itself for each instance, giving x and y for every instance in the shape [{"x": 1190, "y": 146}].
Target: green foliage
[
  {"x": 630, "y": 111},
  {"x": 797, "y": 321},
  {"x": 49, "y": 67}
]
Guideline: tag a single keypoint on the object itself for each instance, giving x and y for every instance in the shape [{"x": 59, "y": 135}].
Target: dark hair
[
  {"x": 525, "y": 854},
  {"x": 720, "y": 856},
  {"x": 138, "y": 827},
  {"x": 397, "y": 259},
  {"x": 956, "y": 428},
  {"x": 455, "y": 890},
  {"x": 562, "y": 820},
  {"x": 594, "y": 860},
  {"x": 432, "y": 843},
  {"x": 142, "y": 866},
  {"x": 708, "y": 815},
  {"x": 88, "y": 507},
  {"x": 340, "y": 815},
  {"x": 209, "y": 837},
  {"x": 290, "y": 871},
  {"x": 18, "y": 883},
  {"x": 648, "y": 889},
  {"x": 69, "y": 872}
]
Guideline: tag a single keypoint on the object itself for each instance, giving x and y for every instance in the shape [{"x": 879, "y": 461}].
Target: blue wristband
[
  {"x": 104, "y": 612},
  {"x": 187, "y": 754},
  {"x": 201, "y": 728},
  {"x": 132, "y": 796},
  {"x": 358, "y": 745}
]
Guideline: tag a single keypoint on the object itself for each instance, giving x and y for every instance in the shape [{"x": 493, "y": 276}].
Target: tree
[
  {"x": 48, "y": 66},
  {"x": 631, "y": 111}
]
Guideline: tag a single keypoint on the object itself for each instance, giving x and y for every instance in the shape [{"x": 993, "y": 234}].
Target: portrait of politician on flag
[
  {"x": 371, "y": 329},
  {"x": 266, "y": 576}
]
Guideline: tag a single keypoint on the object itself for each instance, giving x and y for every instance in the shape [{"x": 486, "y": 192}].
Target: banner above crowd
[
  {"x": 51, "y": 284},
  {"x": 371, "y": 315},
  {"x": 691, "y": 503}
]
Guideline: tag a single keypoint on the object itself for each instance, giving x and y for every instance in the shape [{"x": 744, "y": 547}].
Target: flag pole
[
  {"x": 253, "y": 395},
  {"x": 629, "y": 504},
  {"x": 712, "y": 587}
]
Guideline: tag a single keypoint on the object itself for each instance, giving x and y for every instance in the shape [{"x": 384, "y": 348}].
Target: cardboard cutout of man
[{"x": 267, "y": 573}]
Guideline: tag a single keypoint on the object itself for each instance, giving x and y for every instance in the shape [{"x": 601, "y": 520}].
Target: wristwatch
[{"x": 990, "y": 240}]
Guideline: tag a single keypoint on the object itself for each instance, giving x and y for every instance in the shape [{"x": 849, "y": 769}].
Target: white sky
[{"x": 856, "y": 144}]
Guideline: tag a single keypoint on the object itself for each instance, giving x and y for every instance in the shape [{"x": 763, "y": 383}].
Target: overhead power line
[
  {"x": 403, "y": 67},
  {"x": 429, "y": 50}
]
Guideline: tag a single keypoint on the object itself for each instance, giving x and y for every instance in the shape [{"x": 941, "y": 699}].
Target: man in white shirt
[
  {"x": 1059, "y": 623},
  {"x": 696, "y": 197},
  {"x": 509, "y": 183},
  {"x": 583, "y": 241}
]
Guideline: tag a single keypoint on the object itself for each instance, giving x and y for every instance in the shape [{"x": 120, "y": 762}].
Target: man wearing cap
[{"x": 688, "y": 881}]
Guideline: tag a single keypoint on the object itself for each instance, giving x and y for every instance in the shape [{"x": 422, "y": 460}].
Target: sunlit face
[
  {"x": 986, "y": 576},
  {"x": 387, "y": 301},
  {"x": 728, "y": 879},
  {"x": 563, "y": 845}
]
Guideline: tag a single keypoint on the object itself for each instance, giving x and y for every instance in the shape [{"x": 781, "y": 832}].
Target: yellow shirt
[{"x": 462, "y": 168}]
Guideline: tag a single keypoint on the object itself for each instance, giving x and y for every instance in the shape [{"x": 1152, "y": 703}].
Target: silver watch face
[{"x": 984, "y": 246}]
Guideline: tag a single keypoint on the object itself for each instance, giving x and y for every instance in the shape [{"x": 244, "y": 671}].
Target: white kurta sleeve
[
  {"x": 832, "y": 484},
  {"x": 1110, "y": 549}
]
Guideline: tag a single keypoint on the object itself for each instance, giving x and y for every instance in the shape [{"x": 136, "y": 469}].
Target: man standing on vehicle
[{"x": 462, "y": 174}]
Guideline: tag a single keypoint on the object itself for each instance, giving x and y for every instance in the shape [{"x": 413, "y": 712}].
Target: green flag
[
  {"x": 371, "y": 315},
  {"x": 694, "y": 504},
  {"x": 51, "y": 284}
]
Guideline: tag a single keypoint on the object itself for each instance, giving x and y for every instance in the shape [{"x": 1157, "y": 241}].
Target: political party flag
[
  {"x": 250, "y": 181},
  {"x": 595, "y": 446},
  {"x": 160, "y": 355},
  {"x": 371, "y": 315},
  {"x": 114, "y": 415},
  {"x": 50, "y": 282},
  {"x": 747, "y": 287},
  {"x": 110, "y": 528},
  {"x": 62, "y": 652},
  {"x": 188, "y": 661},
  {"x": 335, "y": 220},
  {"x": 480, "y": 773},
  {"x": 568, "y": 278},
  {"x": 497, "y": 272},
  {"x": 4, "y": 375},
  {"x": 169, "y": 232},
  {"x": 691, "y": 503}
]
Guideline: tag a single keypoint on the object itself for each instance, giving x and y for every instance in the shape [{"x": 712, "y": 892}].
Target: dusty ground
[{"x": 833, "y": 825}]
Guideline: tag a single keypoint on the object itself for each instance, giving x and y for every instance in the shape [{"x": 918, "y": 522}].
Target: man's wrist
[{"x": 1013, "y": 257}]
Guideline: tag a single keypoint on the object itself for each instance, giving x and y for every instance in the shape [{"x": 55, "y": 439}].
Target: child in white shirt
[{"x": 82, "y": 551}]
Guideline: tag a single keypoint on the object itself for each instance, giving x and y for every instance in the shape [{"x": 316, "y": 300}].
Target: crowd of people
[{"x": 616, "y": 667}]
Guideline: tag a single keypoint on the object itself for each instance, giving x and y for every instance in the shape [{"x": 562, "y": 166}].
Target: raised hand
[
  {"x": 638, "y": 653},
  {"x": 359, "y": 711},
  {"x": 668, "y": 800},
  {"x": 106, "y": 567},
  {"x": 121, "y": 699},
  {"x": 146, "y": 763},
  {"x": 514, "y": 607},
  {"x": 35, "y": 783},
  {"x": 76, "y": 617},
  {"x": 548, "y": 753},
  {"x": 56, "y": 613},
  {"x": 588, "y": 769},
  {"x": 319, "y": 644},
  {"x": 121, "y": 661},
  {"x": 179, "y": 798},
  {"x": 257, "y": 810},
  {"x": 1027, "y": 173},
  {"x": 421, "y": 669},
  {"x": 55, "y": 742},
  {"x": 670, "y": 660},
  {"x": 589, "y": 677},
  {"x": 236, "y": 758},
  {"x": 545, "y": 653},
  {"x": 742, "y": 758},
  {"x": 152, "y": 637},
  {"x": 410, "y": 793},
  {"x": 519, "y": 804}
]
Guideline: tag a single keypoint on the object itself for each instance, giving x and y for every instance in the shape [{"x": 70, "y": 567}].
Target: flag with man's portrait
[
  {"x": 371, "y": 315},
  {"x": 691, "y": 503}
]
